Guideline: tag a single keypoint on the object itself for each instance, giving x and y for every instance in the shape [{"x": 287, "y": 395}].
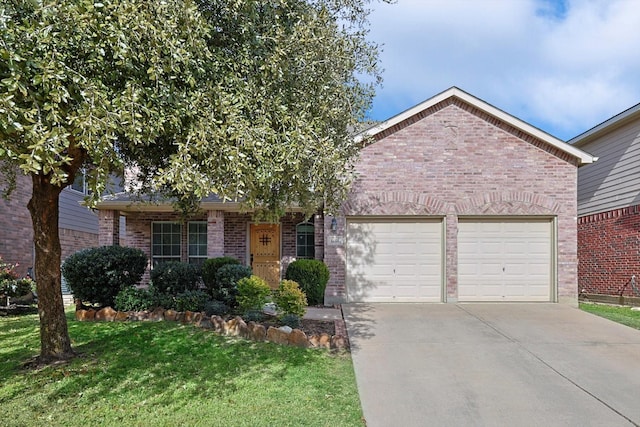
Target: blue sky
[{"x": 562, "y": 66}]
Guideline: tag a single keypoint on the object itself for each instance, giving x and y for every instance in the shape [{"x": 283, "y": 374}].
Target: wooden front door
[{"x": 265, "y": 252}]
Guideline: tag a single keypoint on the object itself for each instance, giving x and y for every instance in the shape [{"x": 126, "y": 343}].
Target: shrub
[
  {"x": 226, "y": 283},
  {"x": 211, "y": 266},
  {"x": 253, "y": 293},
  {"x": 134, "y": 299},
  {"x": 216, "y": 308},
  {"x": 291, "y": 320},
  {"x": 312, "y": 275},
  {"x": 253, "y": 316},
  {"x": 290, "y": 299},
  {"x": 175, "y": 277},
  {"x": 96, "y": 275},
  {"x": 160, "y": 299},
  {"x": 191, "y": 300}
]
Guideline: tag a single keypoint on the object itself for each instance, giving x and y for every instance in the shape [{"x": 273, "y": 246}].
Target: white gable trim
[{"x": 583, "y": 157}]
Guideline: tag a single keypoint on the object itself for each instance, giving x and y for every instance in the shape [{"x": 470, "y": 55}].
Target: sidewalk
[{"x": 318, "y": 313}]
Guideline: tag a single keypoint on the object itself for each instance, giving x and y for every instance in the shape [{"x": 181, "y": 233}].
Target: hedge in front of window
[{"x": 174, "y": 277}]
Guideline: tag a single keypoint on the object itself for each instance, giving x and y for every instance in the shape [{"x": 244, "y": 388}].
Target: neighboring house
[
  {"x": 609, "y": 206},
  {"x": 78, "y": 226},
  {"x": 454, "y": 200}
]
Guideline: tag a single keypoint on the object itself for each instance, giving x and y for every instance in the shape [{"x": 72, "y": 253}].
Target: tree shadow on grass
[{"x": 160, "y": 364}]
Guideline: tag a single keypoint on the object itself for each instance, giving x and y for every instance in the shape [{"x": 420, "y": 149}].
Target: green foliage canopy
[{"x": 250, "y": 100}]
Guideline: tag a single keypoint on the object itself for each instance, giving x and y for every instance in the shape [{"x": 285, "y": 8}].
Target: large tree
[{"x": 248, "y": 99}]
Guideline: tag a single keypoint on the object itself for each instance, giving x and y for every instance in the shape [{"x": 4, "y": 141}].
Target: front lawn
[
  {"x": 623, "y": 315},
  {"x": 166, "y": 374}
]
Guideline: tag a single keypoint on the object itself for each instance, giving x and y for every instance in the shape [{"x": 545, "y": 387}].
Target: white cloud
[{"x": 563, "y": 69}]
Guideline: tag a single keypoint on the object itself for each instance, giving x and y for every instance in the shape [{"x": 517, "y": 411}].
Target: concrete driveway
[{"x": 493, "y": 365}]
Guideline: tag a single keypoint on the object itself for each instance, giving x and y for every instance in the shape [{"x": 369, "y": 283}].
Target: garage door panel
[
  {"x": 400, "y": 262},
  {"x": 504, "y": 260}
]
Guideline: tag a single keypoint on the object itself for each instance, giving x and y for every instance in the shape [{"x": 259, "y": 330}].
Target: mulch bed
[{"x": 309, "y": 326}]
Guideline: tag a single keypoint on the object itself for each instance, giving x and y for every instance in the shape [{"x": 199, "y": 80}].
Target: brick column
[
  {"x": 451, "y": 258},
  {"x": 318, "y": 236},
  {"x": 109, "y": 228},
  {"x": 215, "y": 234}
]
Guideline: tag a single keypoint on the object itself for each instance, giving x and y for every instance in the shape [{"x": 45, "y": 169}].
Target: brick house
[
  {"x": 609, "y": 206},
  {"x": 78, "y": 225},
  {"x": 455, "y": 200}
]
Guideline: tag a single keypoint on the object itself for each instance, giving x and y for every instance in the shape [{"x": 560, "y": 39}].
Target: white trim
[
  {"x": 582, "y": 156},
  {"x": 606, "y": 126}
]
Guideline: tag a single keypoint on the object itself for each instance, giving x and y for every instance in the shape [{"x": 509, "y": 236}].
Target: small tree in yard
[{"x": 250, "y": 100}]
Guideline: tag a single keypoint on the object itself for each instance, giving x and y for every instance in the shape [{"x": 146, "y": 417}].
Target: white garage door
[
  {"x": 504, "y": 260},
  {"x": 394, "y": 260}
]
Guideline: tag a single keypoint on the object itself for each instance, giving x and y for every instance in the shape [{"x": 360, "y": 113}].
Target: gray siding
[
  {"x": 73, "y": 215},
  {"x": 613, "y": 181}
]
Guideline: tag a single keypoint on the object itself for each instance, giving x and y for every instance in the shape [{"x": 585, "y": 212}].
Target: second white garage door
[
  {"x": 504, "y": 260},
  {"x": 394, "y": 260}
]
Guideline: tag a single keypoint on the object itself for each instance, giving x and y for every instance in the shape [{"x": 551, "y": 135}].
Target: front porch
[{"x": 165, "y": 235}]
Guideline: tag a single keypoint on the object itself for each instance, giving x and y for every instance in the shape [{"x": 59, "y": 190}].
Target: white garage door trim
[
  {"x": 506, "y": 259},
  {"x": 394, "y": 259}
]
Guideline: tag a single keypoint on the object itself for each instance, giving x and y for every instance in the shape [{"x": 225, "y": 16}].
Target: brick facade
[
  {"x": 453, "y": 160},
  {"x": 609, "y": 251},
  {"x": 16, "y": 229},
  {"x": 227, "y": 233},
  {"x": 72, "y": 241}
]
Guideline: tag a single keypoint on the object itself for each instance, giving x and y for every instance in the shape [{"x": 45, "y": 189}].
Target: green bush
[
  {"x": 175, "y": 277},
  {"x": 226, "y": 283},
  {"x": 134, "y": 299},
  {"x": 96, "y": 275},
  {"x": 291, "y": 320},
  {"x": 312, "y": 275},
  {"x": 216, "y": 308},
  {"x": 211, "y": 266},
  {"x": 253, "y": 293},
  {"x": 290, "y": 299},
  {"x": 253, "y": 316},
  {"x": 191, "y": 300}
]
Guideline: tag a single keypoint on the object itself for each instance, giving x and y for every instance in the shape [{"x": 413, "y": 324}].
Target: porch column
[
  {"x": 215, "y": 234},
  {"x": 318, "y": 236},
  {"x": 109, "y": 228}
]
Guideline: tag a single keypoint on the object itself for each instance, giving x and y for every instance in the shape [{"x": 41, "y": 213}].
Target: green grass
[
  {"x": 623, "y": 315},
  {"x": 167, "y": 374}
]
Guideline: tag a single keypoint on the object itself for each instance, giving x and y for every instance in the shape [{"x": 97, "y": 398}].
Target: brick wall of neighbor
[
  {"x": 453, "y": 160},
  {"x": 609, "y": 251},
  {"x": 72, "y": 241},
  {"x": 16, "y": 230}
]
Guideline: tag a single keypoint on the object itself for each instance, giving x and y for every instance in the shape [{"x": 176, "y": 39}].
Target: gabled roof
[
  {"x": 614, "y": 122},
  {"x": 454, "y": 92}
]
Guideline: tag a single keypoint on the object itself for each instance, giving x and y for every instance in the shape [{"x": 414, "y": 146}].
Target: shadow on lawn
[{"x": 155, "y": 360}]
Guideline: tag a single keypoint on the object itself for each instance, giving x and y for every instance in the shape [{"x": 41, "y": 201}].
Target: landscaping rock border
[{"x": 235, "y": 327}]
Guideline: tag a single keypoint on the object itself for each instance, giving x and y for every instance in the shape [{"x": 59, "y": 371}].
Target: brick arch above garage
[{"x": 508, "y": 203}]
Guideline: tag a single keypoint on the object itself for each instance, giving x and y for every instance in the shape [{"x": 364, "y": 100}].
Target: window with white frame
[
  {"x": 197, "y": 239},
  {"x": 166, "y": 242},
  {"x": 305, "y": 241}
]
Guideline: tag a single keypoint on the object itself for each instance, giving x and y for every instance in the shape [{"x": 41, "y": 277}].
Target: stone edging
[{"x": 235, "y": 327}]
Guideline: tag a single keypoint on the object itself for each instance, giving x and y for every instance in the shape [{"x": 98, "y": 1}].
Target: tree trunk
[{"x": 55, "y": 343}]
